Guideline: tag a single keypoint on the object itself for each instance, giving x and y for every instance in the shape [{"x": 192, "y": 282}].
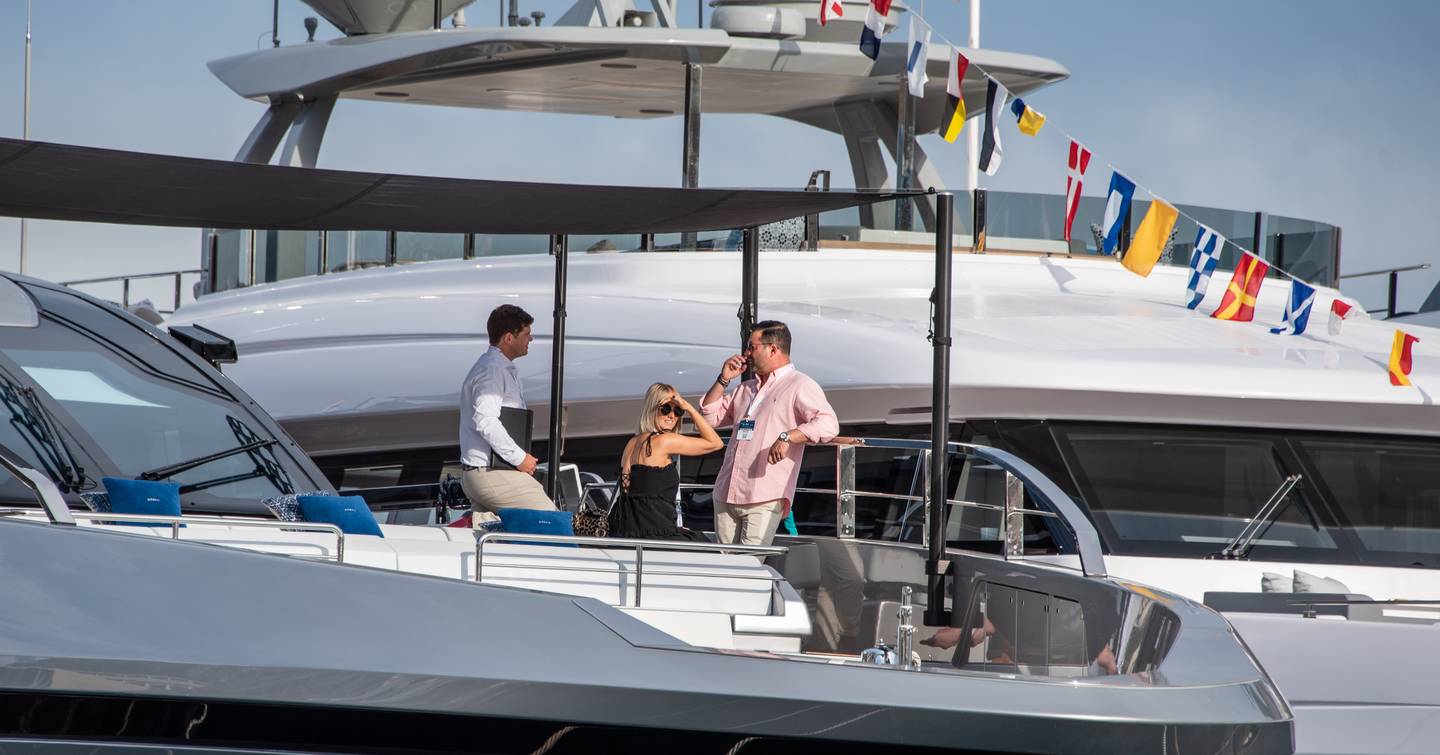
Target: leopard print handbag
[{"x": 592, "y": 519}]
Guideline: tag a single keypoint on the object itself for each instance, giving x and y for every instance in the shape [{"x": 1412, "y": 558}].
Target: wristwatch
[{"x": 785, "y": 435}]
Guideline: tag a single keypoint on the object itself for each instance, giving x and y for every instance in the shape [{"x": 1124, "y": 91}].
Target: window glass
[
  {"x": 140, "y": 416},
  {"x": 1164, "y": 492},
  {"x": 1388, "y": 493},
  {"x": 424, "y": 247},
  {"x": 355, "y": 250}
]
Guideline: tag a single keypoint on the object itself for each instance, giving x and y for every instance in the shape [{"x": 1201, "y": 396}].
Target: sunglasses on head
[{"x": 668, "y": 409}]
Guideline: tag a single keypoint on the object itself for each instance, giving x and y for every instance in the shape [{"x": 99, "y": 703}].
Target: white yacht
[{"x": 1215, "y": 460}]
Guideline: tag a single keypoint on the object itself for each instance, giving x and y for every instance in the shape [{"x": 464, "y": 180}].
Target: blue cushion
[
  {"x": 286, "y": 507},
  {"x": 142, "y": 497},
  {"x": 533, "y": 522},
  {"x": 350, "y": 513}
]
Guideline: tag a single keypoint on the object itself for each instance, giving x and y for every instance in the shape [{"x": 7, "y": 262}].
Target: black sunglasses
[{"x": 668, "y": 409}]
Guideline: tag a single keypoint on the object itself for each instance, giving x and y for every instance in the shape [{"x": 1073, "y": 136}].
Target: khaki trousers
[
  {"x": 750, "y": 524},
  {"x": 494, "y": 489}
]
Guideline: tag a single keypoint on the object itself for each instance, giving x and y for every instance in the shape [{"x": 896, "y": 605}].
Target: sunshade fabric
[{"x": 65, "y": 182}]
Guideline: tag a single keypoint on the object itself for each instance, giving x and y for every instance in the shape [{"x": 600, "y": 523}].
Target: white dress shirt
[{"x": 491, "y": 384}]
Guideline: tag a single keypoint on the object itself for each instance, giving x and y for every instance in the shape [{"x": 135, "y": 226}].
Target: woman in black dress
[{"x": 649, "y": 478}]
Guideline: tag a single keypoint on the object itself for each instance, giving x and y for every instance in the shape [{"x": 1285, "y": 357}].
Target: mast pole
[
  {"x": 972, "y": 139},
  {"x": 25, "y": 129}
]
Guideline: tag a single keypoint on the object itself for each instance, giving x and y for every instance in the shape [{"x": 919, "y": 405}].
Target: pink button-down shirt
[{"x": 789, "y": 400}]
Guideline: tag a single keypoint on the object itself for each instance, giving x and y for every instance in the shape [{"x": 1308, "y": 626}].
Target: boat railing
[
  {"x": 638, "y": 546},
  {"x": 125, "y": 282},
  {"x": 177, "y": 523},
  {"x": 1019, "y": 476}
]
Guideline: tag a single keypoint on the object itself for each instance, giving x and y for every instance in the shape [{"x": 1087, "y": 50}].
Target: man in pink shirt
[{"x": 773, "y": 416}]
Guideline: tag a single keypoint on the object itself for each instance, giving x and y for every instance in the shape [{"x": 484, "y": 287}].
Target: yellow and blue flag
[{"x": 1030, "y": 119}]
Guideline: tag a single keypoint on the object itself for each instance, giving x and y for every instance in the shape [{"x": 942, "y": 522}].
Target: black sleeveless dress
[{"x": 646, "y": 508}]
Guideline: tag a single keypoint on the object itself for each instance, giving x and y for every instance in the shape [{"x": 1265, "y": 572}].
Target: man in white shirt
[{"x": 491, "y": 384}]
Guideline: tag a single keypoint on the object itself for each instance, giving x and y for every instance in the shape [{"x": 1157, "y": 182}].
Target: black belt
[{"x": 469, "y": 468}]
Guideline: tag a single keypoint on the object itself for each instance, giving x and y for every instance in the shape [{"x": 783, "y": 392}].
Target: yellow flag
[
  {"x": 1150, "y": 239},
  {"x": 1030, "y": 121}
]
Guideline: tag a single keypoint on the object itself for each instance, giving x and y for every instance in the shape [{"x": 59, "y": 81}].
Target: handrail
[
  {"x": 1387, "y": 271},
  {"x": 135, "y": 276},
  {"x": 638, "y": 544},
  {"x": 46, "y": 492},
  {"x": 124, "y": 281},
  {"x": 175, "y": 523},
  {"x": 1393, "y": 287},
  {"x": 1045, "y": 491}
]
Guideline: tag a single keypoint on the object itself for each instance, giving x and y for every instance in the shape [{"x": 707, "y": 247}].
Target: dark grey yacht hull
[{"x": 228, "y": 646}]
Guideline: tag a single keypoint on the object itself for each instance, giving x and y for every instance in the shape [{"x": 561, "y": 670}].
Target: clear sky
[{"x": 1318, "y": 109}]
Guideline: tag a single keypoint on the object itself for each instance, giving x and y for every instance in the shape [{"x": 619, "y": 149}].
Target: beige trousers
[
  {"x": 494, "y": 489},
  {"x": 751, "y": 524}
]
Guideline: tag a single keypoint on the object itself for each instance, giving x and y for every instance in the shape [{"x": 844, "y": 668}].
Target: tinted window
[
  {"x": 1155, "y": 491},
  {"x": 140, "y": 414},
  {"x": 1387, "y": 492}
]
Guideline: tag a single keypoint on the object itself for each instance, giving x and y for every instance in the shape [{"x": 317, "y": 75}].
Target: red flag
[
  {"x": 1079, "y": 161},
  {"x": 1239, "y": 301},
  {"x": 830, "y": 9},
  {"x": 1400, "y": 360}
]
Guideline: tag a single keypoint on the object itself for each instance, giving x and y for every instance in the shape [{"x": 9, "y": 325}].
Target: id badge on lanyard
[{"x": 745, "y": 430}]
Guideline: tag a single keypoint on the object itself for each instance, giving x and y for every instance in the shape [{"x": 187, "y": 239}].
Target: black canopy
[{"x": 66, "y": 182}]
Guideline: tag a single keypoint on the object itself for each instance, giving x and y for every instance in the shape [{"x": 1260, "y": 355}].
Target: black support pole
[
  {"x": 1390, "y": 296},
  {"x": 749, "y": 282},
  {"x": 978, "y": 220},
  {"x": 559, "y": 248},
  {"x": 935, "y": 497},
  {"x": 437, "y": 15}
]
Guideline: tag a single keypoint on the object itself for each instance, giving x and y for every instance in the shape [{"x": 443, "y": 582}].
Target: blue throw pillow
[
  {"x": 142, "y": 497},
  {"x": 350, "y": 513},
  {"x": 533, "y": 522}
]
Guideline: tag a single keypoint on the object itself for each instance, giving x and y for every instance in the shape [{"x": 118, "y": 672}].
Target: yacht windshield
[
  {"x": 131, "y": 400},
  {"x": 1189, "y": 491}
]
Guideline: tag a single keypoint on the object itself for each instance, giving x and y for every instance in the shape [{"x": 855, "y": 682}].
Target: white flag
[{"x": 919, "y": 56}]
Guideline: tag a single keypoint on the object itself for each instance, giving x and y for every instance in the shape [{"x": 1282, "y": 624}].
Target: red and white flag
[
  {"x": 1079, "y": 161},
  {"x": 831, "y": 9},
  {"x": 1339, "y": 313}
]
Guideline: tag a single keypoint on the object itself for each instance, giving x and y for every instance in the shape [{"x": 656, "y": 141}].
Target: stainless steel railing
[
  {"x": 637, "y": 545},
  {"x": 1019, "y": 476},
  {"x": 125, "y": 280},
  {"x": 177, "y": 523}
]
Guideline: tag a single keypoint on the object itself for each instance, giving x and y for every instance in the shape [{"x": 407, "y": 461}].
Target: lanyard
[{"x": 761, "y": 393}]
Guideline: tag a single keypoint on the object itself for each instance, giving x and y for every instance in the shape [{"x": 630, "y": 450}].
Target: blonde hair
[{"x": 654, "y": 397}]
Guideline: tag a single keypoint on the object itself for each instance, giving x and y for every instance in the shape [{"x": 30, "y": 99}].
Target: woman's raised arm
[{"x": 689, "y": 445}]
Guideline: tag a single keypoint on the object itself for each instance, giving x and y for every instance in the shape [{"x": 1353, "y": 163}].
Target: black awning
[{"x": 66, "y": 182}]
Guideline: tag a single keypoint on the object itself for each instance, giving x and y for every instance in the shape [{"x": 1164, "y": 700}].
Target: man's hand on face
[
  {"x": 732, "y": 367},
  {"x": 528, "y": 464}
]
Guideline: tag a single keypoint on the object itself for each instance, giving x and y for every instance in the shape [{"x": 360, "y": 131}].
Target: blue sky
[{"x": 1319, "y": 109}]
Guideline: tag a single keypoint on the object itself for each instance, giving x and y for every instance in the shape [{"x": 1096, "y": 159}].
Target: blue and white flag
[
  {"x": 1297, "y": 309},
  {"x": 1208, "y": 245},
  {"x": 874, "y": 28},
  {"x": 919, "y": 57},
  {"x": 1117, "y": 206},
  {"x": 990, "y": 151}
]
